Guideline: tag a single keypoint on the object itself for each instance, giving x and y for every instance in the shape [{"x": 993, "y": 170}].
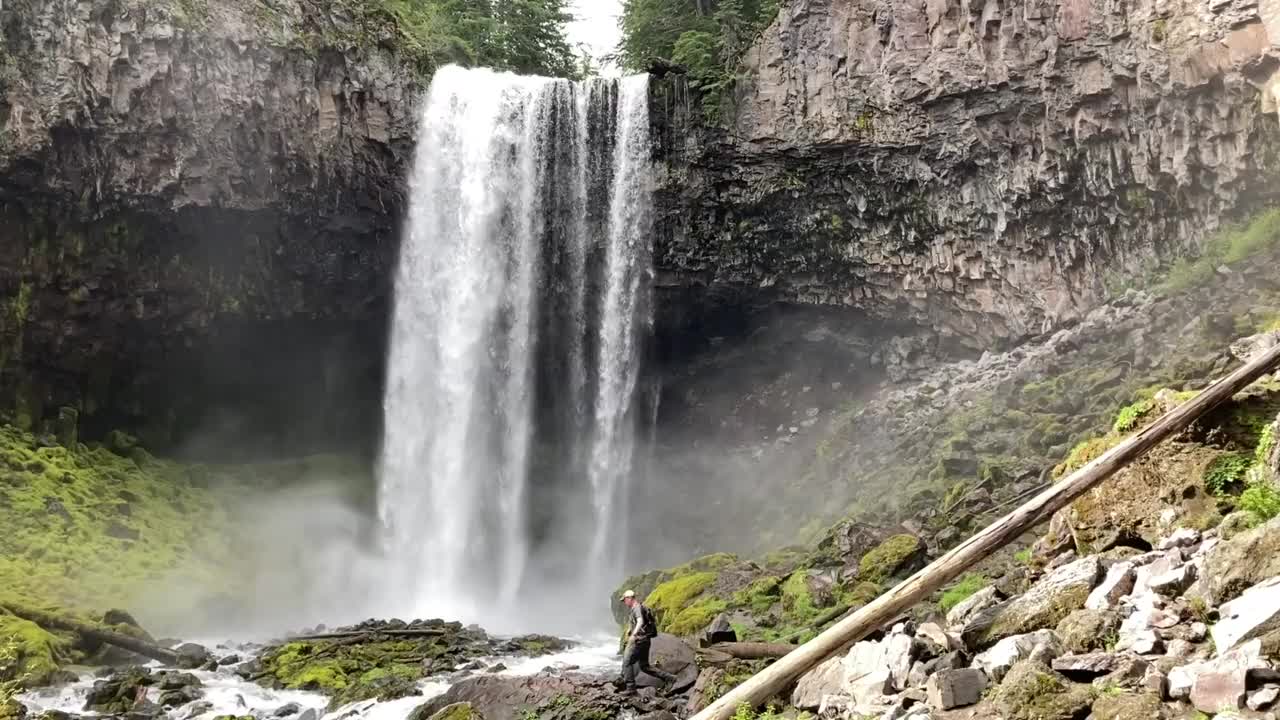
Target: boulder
[
  {"x": 1254, "y": 614},
  {"x": 964, "y": 611},
  {"x": 1087, "y": 666},
  {"x": 1181, "y": 538},
  {"x": 1001, "y": 657},
  {"x": 1087, "y": 630},
  {"x": 1117, "y": 583},
  {"x": 192, "y": 656},
  {"x": 1245, "y": 560},
  {"x": 1129, "y": 706},
  {"x": 827, "y": 678},
  {"x": 898, "y": 658},
  {"x": 505, "y": 697},
  {"x": 1051, "y": 599},
  {"x": 1173, "y": 582},
  {"x": 936, "y": 640},
  {"x": 1216, "y": 678},
  {"x": 1248, "y": 348},
  {"x": 949, "y": 689},
  {"x": 1263, "y": 698},
  {"x": 1032, "y": 691},
  {"x": 671, "y": 654},
  {"x": 1220, "y": 689}
]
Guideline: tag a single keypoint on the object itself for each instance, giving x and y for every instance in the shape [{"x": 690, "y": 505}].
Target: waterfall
[{"x": 521, "y": 305}]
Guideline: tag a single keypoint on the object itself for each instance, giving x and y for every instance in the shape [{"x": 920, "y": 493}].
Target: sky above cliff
[{"x": 595, "y": 25}]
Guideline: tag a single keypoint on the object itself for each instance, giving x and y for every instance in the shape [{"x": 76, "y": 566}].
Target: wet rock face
[
  {"x": 978, "y": 168},
  {"x": 179, "y": 192}
]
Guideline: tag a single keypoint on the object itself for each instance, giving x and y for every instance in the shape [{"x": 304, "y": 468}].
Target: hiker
[{"x": 636, "y": 656}]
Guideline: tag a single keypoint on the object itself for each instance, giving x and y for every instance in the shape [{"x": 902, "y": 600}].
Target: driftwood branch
[
  {"x": 786, "y": 670},
  {"x": 97, "y": 633}
]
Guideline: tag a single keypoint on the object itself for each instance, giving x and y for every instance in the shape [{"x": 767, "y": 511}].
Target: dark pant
[{"x": 636, "y": 659}]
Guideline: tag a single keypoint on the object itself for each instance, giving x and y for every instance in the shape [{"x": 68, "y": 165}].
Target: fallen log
[
  {"x": 775, "y": 678},
  {"x": 97, "y": 633},
  {"x": 751, "y": 650}
]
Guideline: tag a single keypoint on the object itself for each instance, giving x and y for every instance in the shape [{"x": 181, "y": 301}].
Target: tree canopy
[
  {"x": 707, "y": 37},
  {"x": 524, "y": 36}
]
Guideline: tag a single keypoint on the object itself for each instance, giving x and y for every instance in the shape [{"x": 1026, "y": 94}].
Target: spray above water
[{"x": 521, "y": 303}]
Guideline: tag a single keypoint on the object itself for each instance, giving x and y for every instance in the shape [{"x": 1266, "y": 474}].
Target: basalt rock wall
[{"x": 983, "y": 168}]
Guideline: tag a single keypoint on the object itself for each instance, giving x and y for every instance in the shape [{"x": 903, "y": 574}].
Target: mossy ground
[{"x": 91, "y": 529}]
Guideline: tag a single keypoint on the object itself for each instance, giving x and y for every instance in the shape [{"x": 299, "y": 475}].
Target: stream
[{"x": 226, "y": 693}]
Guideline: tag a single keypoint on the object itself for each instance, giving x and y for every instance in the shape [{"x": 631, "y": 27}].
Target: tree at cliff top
[
  {"x": 524, "y": 36},
  {"x": 708, "y": 38}
]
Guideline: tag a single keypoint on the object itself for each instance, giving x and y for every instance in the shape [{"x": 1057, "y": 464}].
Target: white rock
[
  {"x": 870, "y": 689},
  {"x": 996, "y": 661},
  {"x": 933, "y": 633},
  {"x": 825, "y": 679},
  {"x": 1117, "y": 584},
  {"x": 1182, "y": 537},
  {"x": 1246, "y": 657},
  {"x": 1263, "y": 698},
  {"x": 1179, "y": 648},
  {"x": 1197, "y": 632},
  {"x": 955, "y": 688},
  {"x": 972, "y": 605},
  {"x": 1173, "y": 582},
  {"x": 898, "y": 658},
  {"x": 1253, "y": 614}
]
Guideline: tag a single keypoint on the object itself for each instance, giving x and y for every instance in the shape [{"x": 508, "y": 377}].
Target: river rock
[
  {"x": 1089, "y": 665},
  {"x": 949, "y": 689},
  {"x": 1173, "y": 582},
  {"x": 502, "y": 697},
  {"x": 1254, "y": 614}
]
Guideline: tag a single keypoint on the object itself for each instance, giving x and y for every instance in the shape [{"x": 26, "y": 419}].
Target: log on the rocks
[
  {"x": 748, "y": 650},
  {"x": 777, "y": 676},
  {"x": 97, "y": 633}
]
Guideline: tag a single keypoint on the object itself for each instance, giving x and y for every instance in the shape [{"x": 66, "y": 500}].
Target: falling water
[{"x": 520, "y": 309}]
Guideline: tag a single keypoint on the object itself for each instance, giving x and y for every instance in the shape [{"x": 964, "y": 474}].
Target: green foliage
[
  {"x": 1023, "y": 556},
  {"x": 1085, "y": 453},
  {"x": 1128, "y": 417},
  {"x": 708, "y": 43},
  {"x": 1225, "y": 471},
  {"x": 1263, "y": 500},
  {"x": 961, "y": 590},
  {"x": 760, "y": 595},
  {"x": 1228, "y": 247}
]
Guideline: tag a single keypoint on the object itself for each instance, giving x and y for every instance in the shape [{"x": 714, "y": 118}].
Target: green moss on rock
[
  {"x": 1032, "y": 691},
  {"x": 890, "y": 557},
  {"x": 34, "y": 654}
]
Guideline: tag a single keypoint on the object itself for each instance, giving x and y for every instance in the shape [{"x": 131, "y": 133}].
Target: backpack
[{"x": 650, "y": 622}]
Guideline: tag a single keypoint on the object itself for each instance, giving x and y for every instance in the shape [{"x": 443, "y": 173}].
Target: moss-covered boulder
[
  {"x": 891, "y": 557},
  {"x": 1033, "y": 691},
  {"x": 672, "y": 588},
  {"x": 117, "y": 693},
  {"x": 30, "y": 655},
  {"x": 1047, "y": 603},
  {"x": 456, "y": 711},
  {"x": 1235, "y": 565},
  {"x": 1087, "y": 630},
  {"x": 1119, "y": 705}
]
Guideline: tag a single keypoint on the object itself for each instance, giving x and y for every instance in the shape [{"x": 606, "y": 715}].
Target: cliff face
[
  {"x": 200, "y": 204},
  {"x": 979, "y": 167},
  {"x": 199, "y": 201}
]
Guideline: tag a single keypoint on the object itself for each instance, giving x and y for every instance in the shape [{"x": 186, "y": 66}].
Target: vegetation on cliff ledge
[{"x": 707, "y": 38}]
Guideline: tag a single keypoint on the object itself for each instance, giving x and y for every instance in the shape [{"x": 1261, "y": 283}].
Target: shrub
[
  {"x": 1261, "y": 500},
  {"x": 1225, "y": 471},
  {"x": 1127, "y": 419},
  {"x": 959, "y": 592}
]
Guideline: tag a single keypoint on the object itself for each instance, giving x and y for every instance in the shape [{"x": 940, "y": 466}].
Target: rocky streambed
[{"x": 377, "y": 670}]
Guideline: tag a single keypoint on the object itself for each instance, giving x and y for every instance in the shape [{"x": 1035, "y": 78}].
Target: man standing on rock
[{"x": 636, "y": 656}]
